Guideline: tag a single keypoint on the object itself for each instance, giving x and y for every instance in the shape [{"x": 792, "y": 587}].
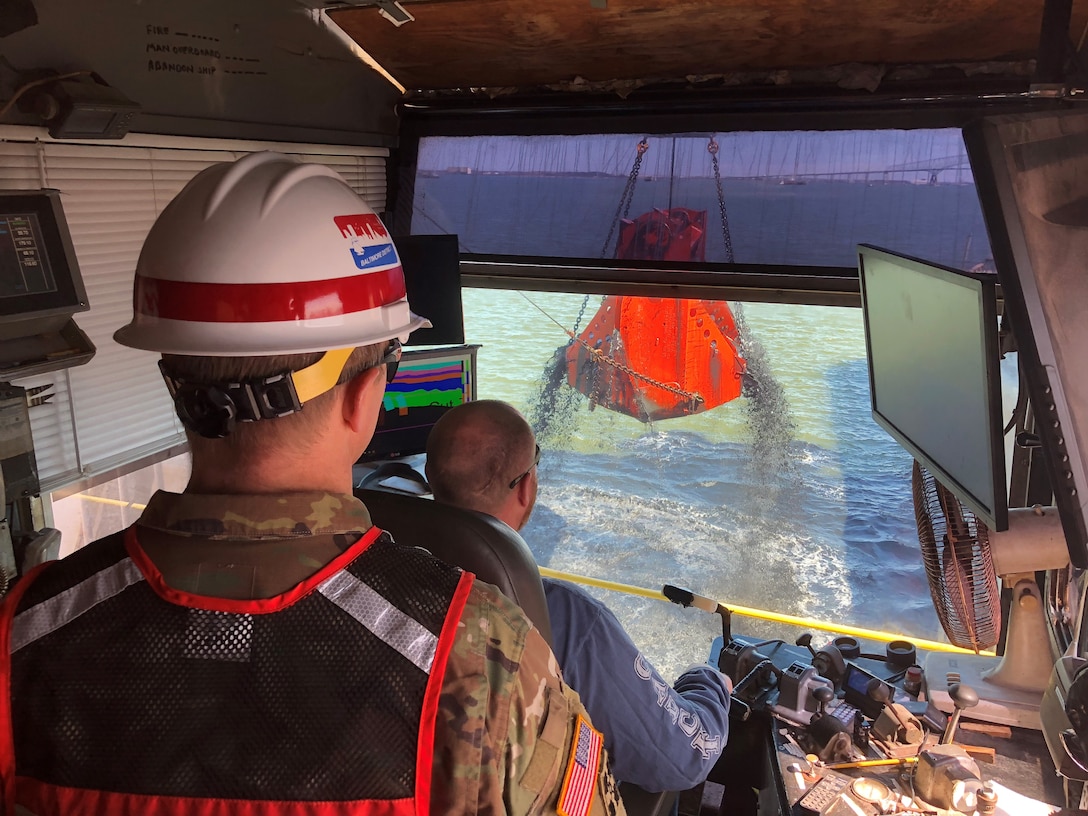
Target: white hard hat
[{"x": 267, "y": 255}]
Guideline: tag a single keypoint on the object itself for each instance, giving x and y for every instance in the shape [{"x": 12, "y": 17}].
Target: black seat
[
  {"x": 495, "y": 553},
  {"x": 476, "y": 542}
]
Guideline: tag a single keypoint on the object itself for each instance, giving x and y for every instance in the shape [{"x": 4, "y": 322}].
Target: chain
[
  {"x": 624, "y": 207},
  {"x": 712, "y": 149},
  {"x": 622, "y": 211},
  {"x": 581, "y": 314},
  {"x": 600, "y": 356}
]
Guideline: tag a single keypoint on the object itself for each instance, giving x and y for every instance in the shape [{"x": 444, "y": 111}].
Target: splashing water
[
  {"x": 770, "y": 422},
  {"x": 554, "y": 405}
]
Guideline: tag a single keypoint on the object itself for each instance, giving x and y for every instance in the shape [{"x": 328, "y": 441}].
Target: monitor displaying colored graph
[{"x": 429, "y": 382}]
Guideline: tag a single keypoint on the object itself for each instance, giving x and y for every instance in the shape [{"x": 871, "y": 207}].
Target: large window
[
  {"x": 788, "y": 498},
  {"x": 800, "y": 197}
]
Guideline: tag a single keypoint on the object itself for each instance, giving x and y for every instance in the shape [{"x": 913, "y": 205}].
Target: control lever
[
  {"x": 687, "y": 598},
  {"x": 946, "y": 775},
  {"x": 894, "y": 723},
  {"x": 878, "y": 690},
  {"x": 823, "y": 696},
  {"x": 828, "y": 662},
  {"x": 763, "y": 671},
  {"x": 962, "y": 697},
  {"x": 806, "y": 641},
  {"x": 829, "y": 732},
  {"x": 761, "y": 675}
]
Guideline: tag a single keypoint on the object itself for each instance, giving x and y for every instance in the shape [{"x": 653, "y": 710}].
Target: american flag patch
[{"x": 581, "y": 777}]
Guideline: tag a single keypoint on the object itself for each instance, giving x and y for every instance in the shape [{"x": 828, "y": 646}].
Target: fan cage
[{"x": 959, "y": 566}]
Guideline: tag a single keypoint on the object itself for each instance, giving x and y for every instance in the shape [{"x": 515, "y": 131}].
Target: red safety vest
[{"x": 130, "y": 697}]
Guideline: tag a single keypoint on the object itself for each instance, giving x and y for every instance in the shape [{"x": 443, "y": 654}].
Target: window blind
[{"x": 114, "y": 412}]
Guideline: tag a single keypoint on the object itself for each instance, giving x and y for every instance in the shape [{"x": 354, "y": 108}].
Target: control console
[{"x": 844, "y": 728}]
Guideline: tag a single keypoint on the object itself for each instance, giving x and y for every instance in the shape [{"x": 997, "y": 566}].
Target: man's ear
[
  {"x": 525, "y": 490},
  {"x": 363, "y": 399}
]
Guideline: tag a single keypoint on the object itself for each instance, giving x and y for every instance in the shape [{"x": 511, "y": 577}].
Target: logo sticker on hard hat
[{"x": 366, "y": 233}]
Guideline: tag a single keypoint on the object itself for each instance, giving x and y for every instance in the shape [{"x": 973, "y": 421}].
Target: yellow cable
[{"x": 762, "y": 614}]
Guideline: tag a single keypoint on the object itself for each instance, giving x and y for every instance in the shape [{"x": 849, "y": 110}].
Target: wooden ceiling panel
[{"x": 525, "y": 43}]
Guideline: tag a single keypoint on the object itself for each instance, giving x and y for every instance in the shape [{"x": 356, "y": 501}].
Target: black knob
[
  {"x": 806, "y": 641},
  {"x": 878, "y": 690},
  {"x": 962, "y": 696},
  {"x": 901, "y": 654},
  {"x": 823, "y": 696}
]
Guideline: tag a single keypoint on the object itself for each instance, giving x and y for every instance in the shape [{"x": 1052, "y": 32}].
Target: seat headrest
[{"x": 476, "y": 542}]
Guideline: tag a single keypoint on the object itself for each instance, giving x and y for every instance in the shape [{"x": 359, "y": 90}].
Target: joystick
[
  {"x": 894, "y": 723},
  {"x": 823, "y": 696},
  {"x": 962, "y": 697},
  {"x": 827, "y": 730},
  {"x": 878, "y": 690},
  {"x": 806, "y": 641}
]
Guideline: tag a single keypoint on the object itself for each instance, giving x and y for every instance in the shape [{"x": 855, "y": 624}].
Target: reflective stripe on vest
[
  {"x": 52, "y": 614},
  {"x": 392, "y": 626},
  {"x": 385, "y": 621}
]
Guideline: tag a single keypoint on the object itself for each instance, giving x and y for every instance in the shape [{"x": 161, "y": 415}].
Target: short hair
[
  {"x": 473, "y": 452},
  {"x": 248, "y": 438}
]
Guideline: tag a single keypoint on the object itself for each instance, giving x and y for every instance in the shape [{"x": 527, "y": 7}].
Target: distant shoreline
[{"x": 869, "y": 177}]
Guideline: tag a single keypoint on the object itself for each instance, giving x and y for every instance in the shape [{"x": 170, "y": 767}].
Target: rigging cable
[{"x": 600, "y": 356}]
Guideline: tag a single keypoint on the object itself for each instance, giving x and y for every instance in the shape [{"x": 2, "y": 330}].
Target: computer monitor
[
  {"x": 934, "y": 372},
  {"x": 40, "y": 287},
  {"x": 429, "y": 382},
  {"x": 432, "y": 278},
  {"x": 39, "y": 275}
]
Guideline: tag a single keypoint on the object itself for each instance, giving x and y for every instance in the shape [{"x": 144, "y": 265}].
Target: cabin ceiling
[{"x": 519, "y": 44}]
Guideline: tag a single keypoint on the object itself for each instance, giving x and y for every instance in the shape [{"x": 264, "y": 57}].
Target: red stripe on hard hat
[{"x": 266, "y": 302}]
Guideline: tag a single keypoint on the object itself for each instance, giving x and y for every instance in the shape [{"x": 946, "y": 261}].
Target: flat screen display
[
  {"x": 24, "y": 264},
  {"x": 38, "y": 270},
  {"x": 931, "y": 337},
  {"x": 429, "y": 382},
  {"x": 432, "y": 278}
]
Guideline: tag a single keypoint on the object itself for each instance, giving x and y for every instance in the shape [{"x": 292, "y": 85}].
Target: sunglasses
[{"x": 536, "y": 461}]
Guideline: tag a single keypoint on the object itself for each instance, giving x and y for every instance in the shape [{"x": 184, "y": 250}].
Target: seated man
[
  {"x": 483, "y": 456},
  {"x": 255, "y": 645}
]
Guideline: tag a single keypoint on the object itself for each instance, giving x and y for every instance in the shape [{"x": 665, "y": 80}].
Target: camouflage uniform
[{"x": 504, "y": 733}]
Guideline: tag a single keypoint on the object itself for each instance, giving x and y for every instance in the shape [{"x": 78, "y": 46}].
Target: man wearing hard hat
[{"x": 255, "y": 645}]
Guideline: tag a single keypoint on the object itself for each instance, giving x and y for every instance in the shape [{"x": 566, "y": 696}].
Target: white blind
[{"x": 114, "y": 411}]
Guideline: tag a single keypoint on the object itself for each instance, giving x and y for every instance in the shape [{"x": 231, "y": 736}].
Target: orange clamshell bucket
[{"x": 658, "y": 358}]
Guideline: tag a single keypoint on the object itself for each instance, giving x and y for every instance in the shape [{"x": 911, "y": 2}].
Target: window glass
[
  {"x": 112, "y": 506},
  {"x": 788, "y": 498},
  {"x": 796, "y": 197}
]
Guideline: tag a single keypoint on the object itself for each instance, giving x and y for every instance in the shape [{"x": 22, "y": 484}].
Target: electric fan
[{"x": 963, "y": 560}]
